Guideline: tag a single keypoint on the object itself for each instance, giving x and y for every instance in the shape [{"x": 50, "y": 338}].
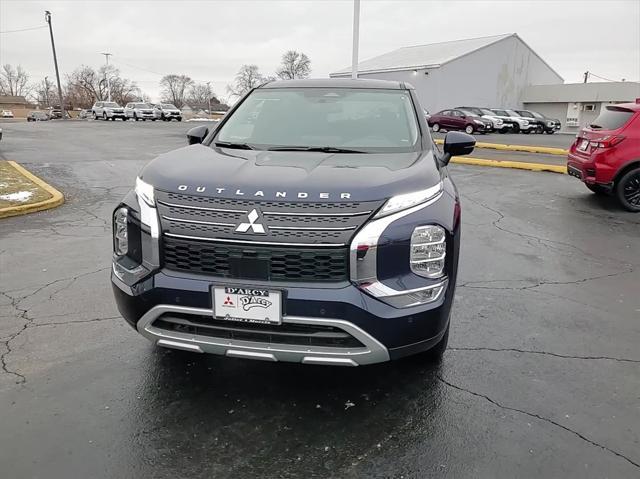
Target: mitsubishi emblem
[{"x": 255, "y": 227}]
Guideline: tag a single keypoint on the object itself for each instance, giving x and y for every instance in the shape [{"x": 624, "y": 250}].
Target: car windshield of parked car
[
  {"x": 468, "y": 113},
  {"x": 525, "y": 114},
  {"x": 169, "y": 106},
  {"x": 111, "y": 105},
  {"x": 611, "y": 118},
  {"x": 539, "y": 116},
  {"x": 142, "y": 105},
  {"x": 486, "y": 111},
  {"x": 500, "y": 112},
  {"x": 511, "y": 113},
  {"x": 367, "y": 120}
]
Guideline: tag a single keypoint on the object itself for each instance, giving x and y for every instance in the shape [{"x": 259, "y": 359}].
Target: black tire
[
  {"x": 180, "y": 119},
  {"x": 597, "y": 189},
  {"x": 550, "y": 132},
  {"x": 526, "y": 132},
  {"x": 435, "y": 127},
  {"x": 469, "y": 129},
  {"x": 124, "y": 118},
  {"x": 515, "y": 128},
  {"x": 135, "y": 116},
  {"x": 628, "y": 190},
  {"x": 540, "y": 130},
  {"x": 163, "y": 118}
]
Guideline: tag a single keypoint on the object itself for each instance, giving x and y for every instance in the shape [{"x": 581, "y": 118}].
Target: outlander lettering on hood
[{"x": 316, "y": 223}]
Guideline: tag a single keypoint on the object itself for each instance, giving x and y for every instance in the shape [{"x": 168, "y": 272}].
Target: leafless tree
[
  {"x": 201, "y": 94},
  {"x": 248, "y": 77},
  {"x": 174, "y": 89},
  {"x": 14, "y": 81},
  {"x": 86, "y": 85},
  {"x": 45, "y": 93},
  {"x": 294, "y": 65}
]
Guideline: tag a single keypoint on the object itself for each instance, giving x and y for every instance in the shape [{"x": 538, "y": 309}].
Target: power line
[{"x": 24, "y": 29}]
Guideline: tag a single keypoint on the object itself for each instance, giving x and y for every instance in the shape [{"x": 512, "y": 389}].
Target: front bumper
[{"x": 384, "y": 332}]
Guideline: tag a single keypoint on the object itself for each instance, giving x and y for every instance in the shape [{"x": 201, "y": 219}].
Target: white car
[
  {"x": 139, "y": 111},
  {"x": 499, "y": 123},
  {"x": 7, "y": 114},
  {"x": 107, "y": 110},
  {"x": 519, "y": 123},
  {"x": 167, "y": 112}
]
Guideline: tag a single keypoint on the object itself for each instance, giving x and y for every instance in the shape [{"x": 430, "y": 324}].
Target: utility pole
[
  {"x": 47, "y": 17},
  {"x": 106, "y": 73},
  {"x": 46, "y": 90},
  {"x": 209, "y": 96},
  {"x": 586, "y": 77},
  {"x": 356, "y": 38}
]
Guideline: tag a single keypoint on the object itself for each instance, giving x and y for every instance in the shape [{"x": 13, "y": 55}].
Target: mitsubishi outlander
[{"x": 316, "y": 223}]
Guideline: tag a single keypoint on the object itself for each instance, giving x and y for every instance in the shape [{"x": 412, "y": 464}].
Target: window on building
[{"x": 589, "y": 107}]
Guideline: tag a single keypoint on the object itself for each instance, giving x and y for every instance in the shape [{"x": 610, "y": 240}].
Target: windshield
[
  {"x": 358, "y": 119},
  {"x": 110, "y": 104},
  {"x": 142, "y": 105},
  {"x": 169, "y": 106},
  {"x": 511, "y": 113},
  {"x": 501, "y": 112},
  {"x": 525, "y": 114},
  {"x": 537, "y": 115},
  {"x": 611, "y": 118},
  {"x": 486, "y": 111},
  {"x": 469, "y": 113}
]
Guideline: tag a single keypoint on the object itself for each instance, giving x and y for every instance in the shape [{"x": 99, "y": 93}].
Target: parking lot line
[
  {"x": 526, "y": 148},
  {"x": 520, "y": 165}
]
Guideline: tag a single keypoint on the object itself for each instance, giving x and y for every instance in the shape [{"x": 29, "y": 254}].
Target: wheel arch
[{"x": 635, "y": 163}]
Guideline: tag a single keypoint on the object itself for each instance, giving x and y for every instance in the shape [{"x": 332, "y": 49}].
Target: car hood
[{"x": 303, "y": 176}]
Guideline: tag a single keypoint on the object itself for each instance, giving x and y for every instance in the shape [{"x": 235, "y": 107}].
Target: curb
[
  {"x": 519, "y": 165},
  {"x": 548, "y": 150},
  {"x": 56, "y": 199}
]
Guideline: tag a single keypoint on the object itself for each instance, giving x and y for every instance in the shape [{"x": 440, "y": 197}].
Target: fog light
[
  {"x": 428, "y": 251},
  {"x": 120, "y": 237}
]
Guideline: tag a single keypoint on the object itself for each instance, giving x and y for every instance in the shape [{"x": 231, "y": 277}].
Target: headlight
[
  {"x": 120, "y": 237},
  {"x": 498, "y": 121},
  {"x": 549, "y": 123},
  {"x": 478, "y": 122},
  {"x": 145, "y": 191},
  {"x": 402, "y": 202},
  {"x": 428, "y": 251},
  {"x": 525, "y": 122}
]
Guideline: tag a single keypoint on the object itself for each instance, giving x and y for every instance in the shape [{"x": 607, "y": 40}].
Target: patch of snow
[
  {"x": 203, "y": 119},
  {"x": 21, "y": 196}
]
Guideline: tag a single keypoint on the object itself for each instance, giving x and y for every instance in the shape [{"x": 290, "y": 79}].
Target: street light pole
[
  {"x": 209, "y": 96},
  {"x": 356, "y": 38},
  {"x": 106, "y": 73},
  {"x": 47, "y": 17}
]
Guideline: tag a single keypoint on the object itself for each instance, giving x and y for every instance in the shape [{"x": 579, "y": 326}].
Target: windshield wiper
[
  {"x": 239, "y": 146},
  {"x": 321, "y": 149}
]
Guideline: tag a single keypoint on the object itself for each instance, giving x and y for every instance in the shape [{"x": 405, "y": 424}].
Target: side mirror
[
  {"x": 457, "y": 143},
  {"x": 197, "y": 135}
]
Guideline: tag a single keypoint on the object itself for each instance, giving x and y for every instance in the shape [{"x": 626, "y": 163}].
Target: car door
[
  {"x": 443, "y": 118},
  {"x": 458, "y": 120}
]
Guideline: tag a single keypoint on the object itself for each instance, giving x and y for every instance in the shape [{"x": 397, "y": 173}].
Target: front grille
[
  {"x": 285, "y": 333},
  {"x": 303, "y": 223},
  {"x": 256, "y": 262}
]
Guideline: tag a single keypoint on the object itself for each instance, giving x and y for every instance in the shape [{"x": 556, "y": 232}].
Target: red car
[
  {"x": 456, "y": 119},
  {"x": 606, "y": 154}
]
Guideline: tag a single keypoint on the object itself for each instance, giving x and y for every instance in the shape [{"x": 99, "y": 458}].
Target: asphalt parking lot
[{"x": 542, "y": 378}]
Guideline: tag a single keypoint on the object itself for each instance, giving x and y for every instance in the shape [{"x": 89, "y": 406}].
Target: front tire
[
  {"x": 628, "y": 190},
  {"x": 435, "y": 353},
  {"x": 516, "y": 128},
  {"x": 135, "y": 117},
  {"x": 468, "y": 129},
  {"x": 436, "y": 127},
  {"x": 550, "y": 132}
]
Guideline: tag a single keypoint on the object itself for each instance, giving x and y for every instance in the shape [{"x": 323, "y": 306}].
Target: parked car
[
  {"x": 107, "y": 110},
  {"x": 56, "y": 114},
  {"x": 499, "y": 124},
  {"x": 6, "y": 114},
  {"x": 37, "y": 116},
  {"x": 139, "y": 111},
  {"x": 548, "y": 125},
  {"x": 519, "y": 124},
  {"x": 248, "y": 262},
  {"x": 606, "y": 154},
  {"x": 85, "y": 113},
  {"x": 167, "y": 112},
  {"x": 459, "y": 120}
]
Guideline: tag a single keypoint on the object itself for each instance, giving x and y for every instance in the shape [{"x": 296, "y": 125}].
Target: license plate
[
  {"x": 583, "y": 145},
  {"x": 253, "y": 305}
]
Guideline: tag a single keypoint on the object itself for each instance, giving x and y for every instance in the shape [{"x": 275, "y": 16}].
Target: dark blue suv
[{"x": 316, "y": 223}]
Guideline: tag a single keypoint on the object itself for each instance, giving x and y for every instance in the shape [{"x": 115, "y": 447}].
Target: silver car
[
  {"x": 167, "y": 112},
  {"x": 139, "y": 111},
  {"x": 107, "y": 110}
]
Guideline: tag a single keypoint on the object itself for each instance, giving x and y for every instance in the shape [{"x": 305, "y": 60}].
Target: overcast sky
[{"x": 210, "y": 40}]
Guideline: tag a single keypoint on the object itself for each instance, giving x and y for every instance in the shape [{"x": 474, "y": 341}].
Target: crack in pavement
[
  {"x": 542, "y": 241},
  {"x": 545, "y": 353},
  {"x": 23, "y": 313},
  {"x": 469, "y": 284},
  {"x": 79, "y": 321},
  {"x": 537, "y": 416}
]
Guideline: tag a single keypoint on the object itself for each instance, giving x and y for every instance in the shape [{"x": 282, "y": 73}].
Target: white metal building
[
  {"x": 488, "y": 71},
  {"x": 577, "y": 104}
]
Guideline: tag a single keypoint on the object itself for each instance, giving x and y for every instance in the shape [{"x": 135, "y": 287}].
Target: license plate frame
[
  {"x": 584, "y": 144},
  {"x": 247, "y": 304}
]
